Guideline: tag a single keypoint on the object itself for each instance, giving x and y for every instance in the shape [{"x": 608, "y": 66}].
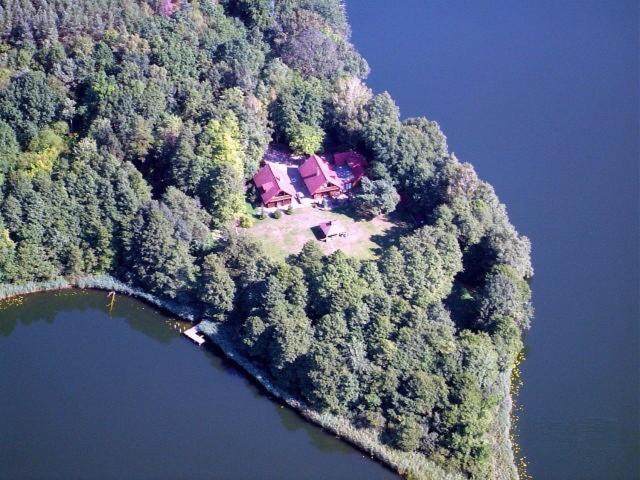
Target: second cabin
[{"x": 320, "y": 178}]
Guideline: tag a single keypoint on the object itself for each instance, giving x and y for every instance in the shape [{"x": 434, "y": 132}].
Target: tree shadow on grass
[
  {"x": 400, "y": 227},
  {"x": 401, "y": 224},
  {"x": 345, "y": 207}
]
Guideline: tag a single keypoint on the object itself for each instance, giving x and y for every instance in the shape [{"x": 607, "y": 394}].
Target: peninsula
[{"x": 225, "y": 159}]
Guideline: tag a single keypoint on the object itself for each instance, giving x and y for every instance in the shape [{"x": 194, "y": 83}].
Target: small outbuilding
[{"x": 332, "y": 228}]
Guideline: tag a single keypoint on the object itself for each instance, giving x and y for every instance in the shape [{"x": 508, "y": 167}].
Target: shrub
[
  {"x": 277, "y": 214},
  {"x": 259, "y": 213},
  {"x": 245, "y": 221},
  {"x": 289, "y": 210}
]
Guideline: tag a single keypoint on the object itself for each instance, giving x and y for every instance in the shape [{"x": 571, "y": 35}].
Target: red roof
[
  {"x": 355, "y": 161},
  {"x": 273, "y": 180},
  {"x": 317, "y": 174},
  {"x": 331, "y": 228},
  {"x": 169, "y": 7}
]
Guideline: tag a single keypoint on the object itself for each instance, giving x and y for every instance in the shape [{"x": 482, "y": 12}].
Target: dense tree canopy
[
  {"x": 128, "y": 129},
  {"x": 375, "y": 197}
]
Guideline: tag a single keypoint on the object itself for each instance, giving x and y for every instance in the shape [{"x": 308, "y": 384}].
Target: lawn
[{"x": 288, "y": 234}]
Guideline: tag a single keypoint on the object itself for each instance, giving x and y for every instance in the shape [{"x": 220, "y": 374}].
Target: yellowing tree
[
  {"x": 44, "y": 150},
  {"x": 222, "y": 142},
  {"x": 222, "y": 189}
]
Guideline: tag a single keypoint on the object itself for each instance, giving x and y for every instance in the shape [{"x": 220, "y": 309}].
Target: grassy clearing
[{"x": 288, "y": 234}]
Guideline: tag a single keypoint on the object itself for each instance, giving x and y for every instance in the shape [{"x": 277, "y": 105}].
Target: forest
[{"x": 128, "y": 132}]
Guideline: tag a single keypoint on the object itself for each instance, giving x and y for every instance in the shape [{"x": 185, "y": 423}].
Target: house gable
[
  {"x": 318, "y": 176},
  {"x": 273, "y": 183}
]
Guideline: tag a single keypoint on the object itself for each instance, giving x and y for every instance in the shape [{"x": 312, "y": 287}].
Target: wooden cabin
[
  {"x": 320, "y": 178},
  {"x": 274, "y": 185}
]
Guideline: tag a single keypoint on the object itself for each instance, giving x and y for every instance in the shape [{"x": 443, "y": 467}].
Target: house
[
  {"x": 320, "y": 178},
  {"x": 274, "y": 185},
  {"x": 350, "y": 167},
  {"x": 332, "y": 228}
]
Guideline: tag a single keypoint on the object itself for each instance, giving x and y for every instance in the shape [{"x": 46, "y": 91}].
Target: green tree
[
  {"x": 306, "y": 139},
  {"x": 7, "y": 253},
  {"x": 221, "y": 188},
  {"x": 505, "y": 295},
  {"x": 215, "y": 287},
  {"x": 329, "y": 385},
  {"x": 284, "y": 333},
  {"x": 312, "y": 52},
  {"x": 300, "y": 103},
  {"x": 348, "y": 108},
  {"x": 159, "y": 262},
  {"x": 9, "y": 149},
  {"x": 190, "y": 221},
  {"x": 405, "y": 433},
  {"x": 43, "y": 151},
  {"x": 375, "y": 197},
  {"x": 28, "y": 104},
  {"x": 255, "y": 13},
  {"x": 222, "y": 193},
  {"x": 338, "y": 286},
  {"x": 382, "y": 127}
]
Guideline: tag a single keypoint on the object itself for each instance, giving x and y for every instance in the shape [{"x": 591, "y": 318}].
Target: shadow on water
[
  {"x": 291, "y": 420},
  {"x": 45, "y": 306},
  {"x": 144, "y": 319},
  {"x": 39, "y": 307}
]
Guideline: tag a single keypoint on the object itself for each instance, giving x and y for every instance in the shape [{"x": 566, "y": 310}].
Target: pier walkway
[{"x": 194, "y": 334}]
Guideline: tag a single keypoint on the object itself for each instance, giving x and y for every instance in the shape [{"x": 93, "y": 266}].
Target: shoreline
[{"x": 402, "y": 463}]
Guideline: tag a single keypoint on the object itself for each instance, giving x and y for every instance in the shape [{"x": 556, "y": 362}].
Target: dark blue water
[
  {"x": 542, "y": 97},
  {"x": 88, "y": 394}
]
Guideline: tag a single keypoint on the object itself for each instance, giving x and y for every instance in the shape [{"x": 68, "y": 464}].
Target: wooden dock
[{"x": 194, "y": 334}]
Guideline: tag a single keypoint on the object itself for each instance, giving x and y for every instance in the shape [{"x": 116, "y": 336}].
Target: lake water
[
  {"x": 85, "y": 393},
  {"x": 542, "y": 97}
]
